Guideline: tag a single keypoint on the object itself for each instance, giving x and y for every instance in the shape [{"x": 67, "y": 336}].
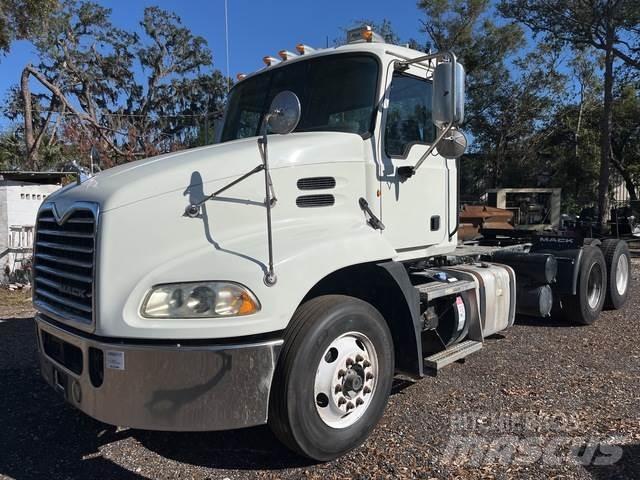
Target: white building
[{"x": 21, "y": 194}]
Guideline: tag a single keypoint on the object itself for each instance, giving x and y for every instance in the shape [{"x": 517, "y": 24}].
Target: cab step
[
  {"x": 453, "y": 354},
  {"x": 432, "y": 290}
]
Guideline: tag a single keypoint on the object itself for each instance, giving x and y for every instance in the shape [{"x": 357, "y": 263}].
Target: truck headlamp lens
[{"x": 199, "y": 300}]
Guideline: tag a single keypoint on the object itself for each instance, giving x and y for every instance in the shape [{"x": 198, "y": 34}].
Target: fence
[{"x": 17, "y": 268}]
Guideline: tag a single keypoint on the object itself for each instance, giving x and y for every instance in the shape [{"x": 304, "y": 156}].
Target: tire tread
[
  {"x": 610, "y": 248},
  {"x": 278, "y": 420},
  {"x": 574, "y": 309},
  {"x": 302, "y": 327}
]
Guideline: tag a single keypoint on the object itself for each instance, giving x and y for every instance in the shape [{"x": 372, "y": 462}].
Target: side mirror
[
  {"x": 453, "y": 144},
  {"x": 447, "y": 102},
  {"x": 284, "y": 113}
]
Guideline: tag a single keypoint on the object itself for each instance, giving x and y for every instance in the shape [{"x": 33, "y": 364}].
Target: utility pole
[{"x": 226, "y": 41}]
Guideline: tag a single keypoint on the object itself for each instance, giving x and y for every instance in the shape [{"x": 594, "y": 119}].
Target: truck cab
[{"x": 284, "y": 275}]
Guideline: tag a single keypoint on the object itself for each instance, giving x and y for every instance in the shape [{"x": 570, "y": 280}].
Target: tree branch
[
  {"x": 626, "y": 58},
  {"x": 81, "y": 116}
]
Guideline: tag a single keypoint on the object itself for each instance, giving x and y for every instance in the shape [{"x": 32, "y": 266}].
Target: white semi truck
[{"x": 288, "y": 273}]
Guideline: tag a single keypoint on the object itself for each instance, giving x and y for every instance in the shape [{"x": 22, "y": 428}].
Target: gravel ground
[{"x": 514, "y": 409}]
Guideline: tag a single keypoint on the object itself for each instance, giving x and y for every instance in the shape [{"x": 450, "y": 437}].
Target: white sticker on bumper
[{"x": 115, "y": 360}]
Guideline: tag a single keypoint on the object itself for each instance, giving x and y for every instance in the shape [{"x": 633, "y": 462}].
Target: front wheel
[{"x": 333, "y": 378}]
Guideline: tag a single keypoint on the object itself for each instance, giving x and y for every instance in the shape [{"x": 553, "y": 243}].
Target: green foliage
[
  {"x": 611, "y": 27},
  {"x": 23, "y": 19},
  {"x": 625, "y": 137},
  {"x": 582, "y": 24},
  {"x": 510, "y": 93},
  {"x": 11, "y": 150},
  {"x": 534, "y": 105},
  {"x": 534, "y": 108},
  {"x": 530, "y": 126},
  {"x": 91, "y": 70}
]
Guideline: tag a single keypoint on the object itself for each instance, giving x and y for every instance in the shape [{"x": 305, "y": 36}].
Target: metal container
[{"x": 497, "y": 293}]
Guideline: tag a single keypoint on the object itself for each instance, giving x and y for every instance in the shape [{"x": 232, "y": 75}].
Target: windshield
[{"x": 337, "y": 93}]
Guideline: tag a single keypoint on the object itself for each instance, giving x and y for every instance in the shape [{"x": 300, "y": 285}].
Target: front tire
[
  {"x": 618, "y": 261},
  {"x": 585, "y": 306},
  {"x": 333, "y": 377}
]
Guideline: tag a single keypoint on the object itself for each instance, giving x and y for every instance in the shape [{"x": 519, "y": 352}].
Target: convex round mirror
[
  {"x": 284, "y": 112},
  {"x": 453, "y": 144}
]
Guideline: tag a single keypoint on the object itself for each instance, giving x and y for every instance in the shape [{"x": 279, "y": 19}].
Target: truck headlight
[{"x": 199, "y": 300}]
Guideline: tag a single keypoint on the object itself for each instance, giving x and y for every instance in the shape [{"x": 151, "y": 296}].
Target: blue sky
[{"x": 256, "y": 28}]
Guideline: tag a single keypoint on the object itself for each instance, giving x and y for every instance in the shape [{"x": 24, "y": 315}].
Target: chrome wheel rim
[
  {"x": 594, "y": 286},
  {"x": 622, "y": 274},
  {"x": 346, "y": 380}
]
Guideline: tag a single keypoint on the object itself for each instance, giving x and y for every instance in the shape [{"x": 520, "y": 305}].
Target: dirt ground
[{"x": 543, "y": 400}]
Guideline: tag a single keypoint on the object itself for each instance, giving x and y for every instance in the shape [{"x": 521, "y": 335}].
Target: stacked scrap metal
[{"x": 474, "y": 218}]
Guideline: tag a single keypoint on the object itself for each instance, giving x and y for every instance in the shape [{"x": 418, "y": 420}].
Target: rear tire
[
  {"x": 585, "y": 306},
  {"x": 333, "y": 377},
  {"x": 618, "y": 261}
]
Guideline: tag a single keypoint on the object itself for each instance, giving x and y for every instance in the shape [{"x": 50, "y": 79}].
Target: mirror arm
[
  {"x": 408, "y": 172},
  {"x": 262, "y": 146},
  {"x": 404, "y": 64},
  {"x": 270, "y": 278},
  {"x": 453, "y": 60},
  {"x": 193, "y": 209}
]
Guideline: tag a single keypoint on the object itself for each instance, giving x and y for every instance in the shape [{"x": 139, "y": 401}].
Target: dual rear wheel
[
  {"x": 604, "y": 278},
  {"x": 618, "y": 261}
]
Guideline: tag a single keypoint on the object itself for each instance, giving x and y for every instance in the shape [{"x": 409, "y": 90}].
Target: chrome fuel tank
[{"x": 496, "y": 285}]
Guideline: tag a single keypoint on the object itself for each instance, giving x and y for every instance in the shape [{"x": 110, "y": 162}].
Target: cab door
[{"x": 414, "y": 211}]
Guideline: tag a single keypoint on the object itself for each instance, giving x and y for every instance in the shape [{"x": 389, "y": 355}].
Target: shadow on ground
[
  {"x": 627, "y": 467},
  {"x": 553, "y": 321},
  {"x": 42, "y": 436}
]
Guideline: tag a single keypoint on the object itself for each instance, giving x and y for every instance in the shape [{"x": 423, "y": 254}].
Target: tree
[
  {"x": 23, "y": 19},
  {"x": 94, "y": 96},
  {"x": 625, "y": 138},
  {"x": 508, "y": 94},
  {"x": 467, "y": 27},
  {"x": 10, "y": 150},
  {"x": 610, "y": 26}
]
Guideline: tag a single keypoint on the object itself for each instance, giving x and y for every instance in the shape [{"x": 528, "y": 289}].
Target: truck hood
[{"x": 177, "y": 171}]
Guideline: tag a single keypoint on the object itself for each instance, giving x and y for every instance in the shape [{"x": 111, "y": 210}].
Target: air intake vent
[
  {"x": 308, "y": 201},
  {"x": 316, "y": 183}
]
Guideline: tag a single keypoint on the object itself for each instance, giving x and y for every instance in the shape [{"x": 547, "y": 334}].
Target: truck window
[
  {"x": 337, "y": 93},
  {"x": 245, "y": 111},
  {"x": 408, "y": 115}
]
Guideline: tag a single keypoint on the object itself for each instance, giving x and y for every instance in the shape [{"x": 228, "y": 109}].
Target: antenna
[{"x": 226, "y": 39}]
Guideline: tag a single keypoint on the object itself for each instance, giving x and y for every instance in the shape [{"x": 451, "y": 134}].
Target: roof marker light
[
  {"x": 241, "y": 76},
  {"x": 363, "y": 34},
  {"x": 367, "y": 33},
  {"x": 269, "y": 61},
  {"x": 287, "y": 55},
  {"x": 303, "y": 49}
]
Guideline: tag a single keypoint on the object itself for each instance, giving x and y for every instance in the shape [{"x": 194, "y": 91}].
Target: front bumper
[{"x": 159, "y": 387}]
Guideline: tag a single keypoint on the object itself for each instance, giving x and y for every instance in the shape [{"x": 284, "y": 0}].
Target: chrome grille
[{"x": 63, "y": 263}]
